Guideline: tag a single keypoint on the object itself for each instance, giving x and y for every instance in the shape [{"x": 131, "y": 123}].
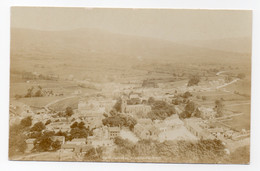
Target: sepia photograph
[{"x": 130, "y": 85}]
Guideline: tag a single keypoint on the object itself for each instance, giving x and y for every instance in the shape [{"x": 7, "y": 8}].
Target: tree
[
  {"x": 26, "y": 122},
  {"x": 38, "y": 127},
  {"x": 94, "y": 154},
  {"x": 219, "y": 106},
  {"x": 60, "y": 133},
  {"x": 184, "y": 115},
  {"x": 43, "y": 143},
  {"x": 118, "y": 104},
  {"x": 29, "y": 92},
  {"x": 114, "y": 121},
  {"x": 194, "y": 80},
  {"x": 120, "y": 120},
  {"x": 35, "y": 134},
  {"x": 204, "y": 98},
  {"x": 78, "y": 133},
  {"x": 68, "y": 112},
  {"x": 74, "y": 125},
  {"x": 81, "y": 125},
  {"x": 48, "y": 122},
  {"x": 38, "y": 93},
  {"x": 190, "y": 107},
  {"x": 187, "y": 94},
  {"x": 56, "y": 145},
  {"x": 17, "y": 139}
]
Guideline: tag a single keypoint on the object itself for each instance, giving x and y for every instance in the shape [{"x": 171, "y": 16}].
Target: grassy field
[
  {"x": 227, "y": 96},
  {"x": 61, "y": 105},
  {"x": 38, "y": 101},
  {"x": 22, "y": 87},
  {"x": 241, "y": 86},
  {"x": 233, "y": 103},
  {"x": 241, "y": 121}
]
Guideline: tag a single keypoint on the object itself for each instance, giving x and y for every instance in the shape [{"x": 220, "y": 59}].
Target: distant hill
[
  {"x": 92, "y": 46},
  {"x": 237, "y": 45}
]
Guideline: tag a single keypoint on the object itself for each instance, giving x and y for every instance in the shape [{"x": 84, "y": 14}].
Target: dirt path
[
  {"x": 58, "y": 100},
  {"x": 224, "y": 85}
]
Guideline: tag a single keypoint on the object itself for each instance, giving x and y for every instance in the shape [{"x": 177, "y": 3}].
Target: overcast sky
[{"x": 173, "y": 25}]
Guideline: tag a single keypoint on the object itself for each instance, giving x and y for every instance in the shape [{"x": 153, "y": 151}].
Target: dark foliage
[
  {"x": 161, "y": 110},
  {"x": 26, "y": 122},
  {"x": 17, "y": 144},
  {"x": 120, "y": 120},
  {"x": 39, "y": 126},
  {"x": 68, "y": 111},
  {"x": 194, "y": 80}
]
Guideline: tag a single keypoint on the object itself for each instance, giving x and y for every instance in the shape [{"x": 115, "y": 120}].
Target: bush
[
  {"x": 26, "y": 122},
  {"x": 187, "y": 94},
  {"x": 194, "y": 80},
  {"x": 241, "y": 76},
  {"x": 48, "y": 122},
  {"x": 17, "y": 144},
  {"x": 38, "y": 127}
]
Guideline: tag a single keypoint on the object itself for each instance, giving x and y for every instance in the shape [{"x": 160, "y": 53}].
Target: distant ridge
[{"x": 93, "y": 43}]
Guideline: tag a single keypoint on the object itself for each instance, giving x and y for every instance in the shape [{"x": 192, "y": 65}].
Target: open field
[
  {"x": 241, "y": 121},
  {"x": 61, "y": 105},
  {"x": 241, "y": 86},
  {"x": 38, "y": 101},
  {"x": 227, "y": 96}
]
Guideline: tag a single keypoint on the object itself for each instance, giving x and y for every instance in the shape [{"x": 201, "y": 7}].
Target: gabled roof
[
  {"x": 68, "y": 146},
  {"x": 113, "y": 129},
  {"x": 78, "y": 140}
]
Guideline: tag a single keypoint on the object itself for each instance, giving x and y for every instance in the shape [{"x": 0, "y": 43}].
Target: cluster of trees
[
  {"x": 37, "y": 93},
  {"x": 32, "y": 76},
  {"x": 194, "y": 80},
  {"x": 203, "y": 151},
  {"x": 44, "y": 142},
  {"x": 67, "y": 113},
  {"x": 201, "y": 97},
  {"x": 31, "y": 93},
  {"x": 94, "y": 154},
  {"x": 78, "y": 130},
  {"x": 182, "y": 98},
  {"x": 38, "y": 127},
  {"x": 117, "y": 106},
  {"x": 43, "y": 139},
  {"x": 160, "y": 109},
  {"x": 17, "y": 138},
  {"x": 116, "y": 119},
  {"x": 191, "y": 109},
  {"x": 186, "y": 95}
]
